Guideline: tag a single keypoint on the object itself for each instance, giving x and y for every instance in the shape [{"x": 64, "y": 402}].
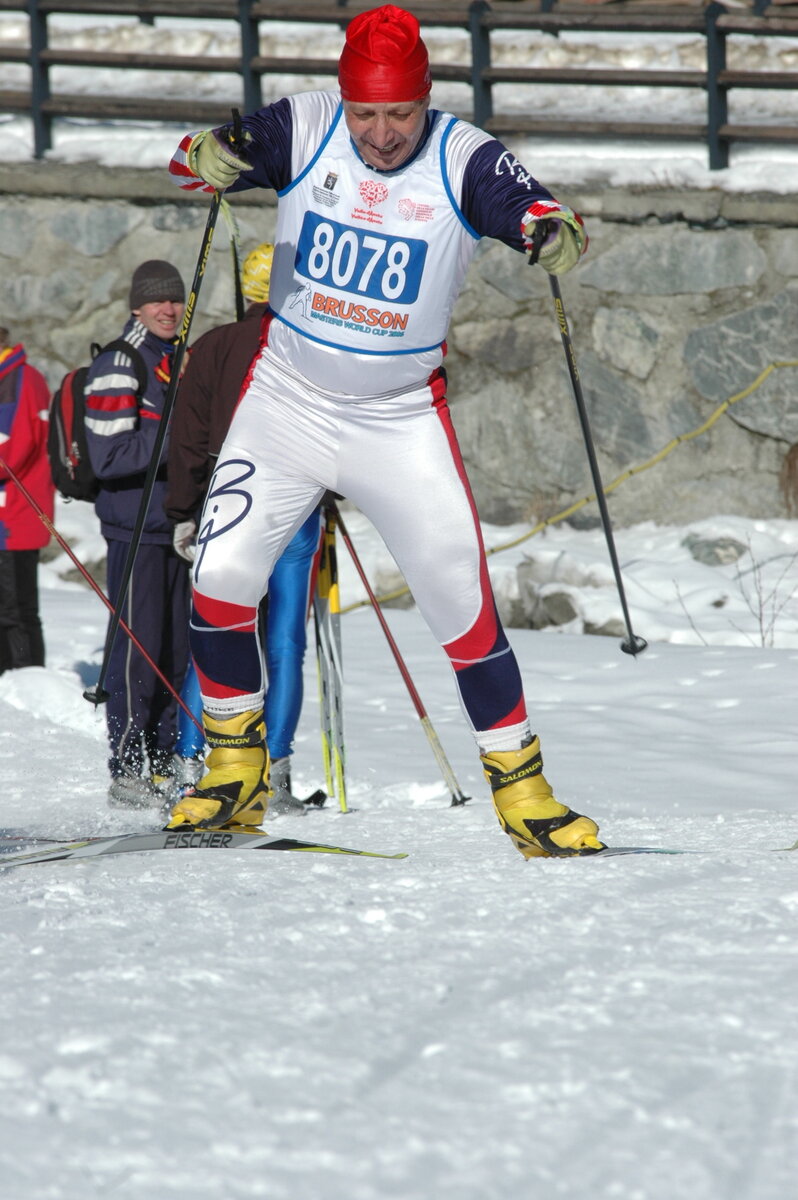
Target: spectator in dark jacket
[
  {"x": 215, "y": 378},
  {"x": 24, "y": 402},
  {"x": 121, "y": 428}
]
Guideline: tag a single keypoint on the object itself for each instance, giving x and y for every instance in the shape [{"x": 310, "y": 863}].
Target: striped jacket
[{"x": 121, "y": 429}]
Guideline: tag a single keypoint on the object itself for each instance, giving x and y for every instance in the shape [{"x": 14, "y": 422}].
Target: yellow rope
[{"x": 610, "y": 487}]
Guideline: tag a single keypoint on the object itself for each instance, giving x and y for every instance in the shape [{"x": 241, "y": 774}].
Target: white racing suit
[{"x": 348, "y": 393}]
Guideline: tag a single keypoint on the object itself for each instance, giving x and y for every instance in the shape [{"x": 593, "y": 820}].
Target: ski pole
[
  {"x": 634, "y": 645},
  {"x": 94, "y": 585},
  {"x": 98, "y": 694},
  {"x": 437, "y": 749},
  {"x": 327, "y": 622}
]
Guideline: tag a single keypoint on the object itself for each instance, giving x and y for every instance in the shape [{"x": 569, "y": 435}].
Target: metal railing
[{"x": 714, "y": 23}]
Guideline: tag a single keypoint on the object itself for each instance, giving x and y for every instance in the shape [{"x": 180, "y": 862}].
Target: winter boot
[
  {"x": 136, "y": 792},
  {"x": 187, "y": 772},
  {"x": 538, "y": 825},
  {"x": 281, "y": 799},
  {"x": 233, "y": 792}
]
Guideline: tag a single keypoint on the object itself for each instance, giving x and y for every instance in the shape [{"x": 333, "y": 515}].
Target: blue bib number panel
[{"x": 360, "y": 261}]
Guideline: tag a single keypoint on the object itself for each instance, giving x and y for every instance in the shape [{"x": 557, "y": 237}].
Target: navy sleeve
[
  {"x": 270, "y": 149},
  {"x": 497, "y": 191}
]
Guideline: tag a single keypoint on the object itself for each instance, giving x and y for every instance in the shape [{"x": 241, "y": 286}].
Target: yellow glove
[
  {"x": 566, "y": 241},
  {"x": 213, "y": 161}
]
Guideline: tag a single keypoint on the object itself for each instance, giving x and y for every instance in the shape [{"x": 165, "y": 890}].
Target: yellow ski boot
[
  {"x": 538, "y": 825},
  {"x": 232, "y": 794}
]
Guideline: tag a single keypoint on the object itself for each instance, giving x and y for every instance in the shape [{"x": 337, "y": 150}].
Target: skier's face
[
  {"x": 386, "y": 134},
  {"x": 161, "y": 317}
]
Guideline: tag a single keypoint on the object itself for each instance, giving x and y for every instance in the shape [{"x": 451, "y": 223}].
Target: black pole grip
[{"x": 538, "y": 238}]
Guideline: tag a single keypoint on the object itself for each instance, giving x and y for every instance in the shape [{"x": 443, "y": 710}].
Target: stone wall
[{"x": 684, "y": 298}]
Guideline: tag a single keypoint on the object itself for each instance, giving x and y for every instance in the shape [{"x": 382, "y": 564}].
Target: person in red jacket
[{"x": 24, "y": 404}]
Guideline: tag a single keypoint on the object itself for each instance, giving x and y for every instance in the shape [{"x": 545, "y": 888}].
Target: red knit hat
[{"x": 384, "y": 59}]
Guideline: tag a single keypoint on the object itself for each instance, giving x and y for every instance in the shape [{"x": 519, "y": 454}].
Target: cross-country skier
[{"x": 381, "y": 204}]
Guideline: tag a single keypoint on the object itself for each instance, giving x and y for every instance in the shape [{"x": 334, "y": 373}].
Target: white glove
[
  {"x": 184, "y": 540},
  {"x": 214, "y": 161},
  {"x": 566, "y": 241}
]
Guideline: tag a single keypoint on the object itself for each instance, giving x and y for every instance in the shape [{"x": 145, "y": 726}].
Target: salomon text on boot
[
  {"x": 538, "y": 825},
  {"x": 232, "y": 793}
]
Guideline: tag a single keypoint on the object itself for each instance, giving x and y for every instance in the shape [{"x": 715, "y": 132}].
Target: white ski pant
[{"x": 398, "y": 461}]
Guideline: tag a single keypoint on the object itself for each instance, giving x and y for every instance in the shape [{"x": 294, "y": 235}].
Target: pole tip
[
  {"x": 96, "y": 696},
  {"x": 635, "y": 645}
]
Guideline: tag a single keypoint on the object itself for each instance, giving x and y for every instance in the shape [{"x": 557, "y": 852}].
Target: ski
[
  {"x": 166, "y": 839},
  {"x": 613, "y": 851}
]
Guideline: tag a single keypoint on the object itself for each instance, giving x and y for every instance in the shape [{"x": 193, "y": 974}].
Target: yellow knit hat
[{"x": 256, "y": 273}]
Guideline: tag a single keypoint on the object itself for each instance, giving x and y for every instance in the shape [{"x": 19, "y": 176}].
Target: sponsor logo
[
  {"x": 230, "y": 739},
  {"x": 193, "y": 840},
  {"x": 328, "y": 199},
  {"x": 228, "y": 500},
  {"x": 325, "y": 194},
  {"x": 351, "y": 315},
  {"x": 372, "y": 193},
  {"x": 532, "y": 768},
  {"x": 507, "y": 164},
  {"x": 411, "y": 210},
  {"x": 301, "y": 298}
]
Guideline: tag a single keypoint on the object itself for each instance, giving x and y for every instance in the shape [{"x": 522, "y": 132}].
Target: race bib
[{"x": 360, "y": 261}]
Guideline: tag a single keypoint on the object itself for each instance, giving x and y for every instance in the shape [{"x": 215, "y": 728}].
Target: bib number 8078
[{"x": 366, "y": 264}]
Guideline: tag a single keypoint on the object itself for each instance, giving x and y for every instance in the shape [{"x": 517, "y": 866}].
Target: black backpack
[{"x": 70, "y": 465}]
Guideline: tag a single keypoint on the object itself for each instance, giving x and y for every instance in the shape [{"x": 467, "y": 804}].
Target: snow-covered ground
[{"x": 458, "y": 1025}]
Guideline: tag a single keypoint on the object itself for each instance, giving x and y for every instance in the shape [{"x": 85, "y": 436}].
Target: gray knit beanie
[{"x": 156, "y": 280}]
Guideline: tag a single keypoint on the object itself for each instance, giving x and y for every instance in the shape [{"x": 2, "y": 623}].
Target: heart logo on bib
[{"x": 372, "y": 192}]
